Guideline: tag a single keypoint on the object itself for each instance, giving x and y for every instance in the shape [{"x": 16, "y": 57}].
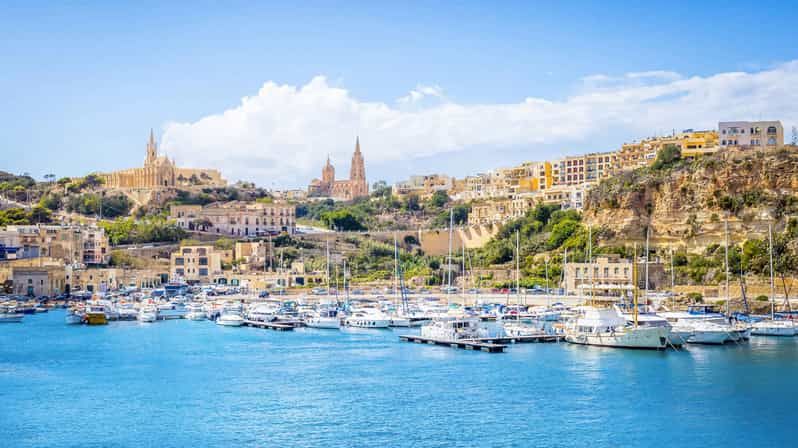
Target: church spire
[
  {"x": 152, "y": 149},
  {"x": 357, "y": 144}
]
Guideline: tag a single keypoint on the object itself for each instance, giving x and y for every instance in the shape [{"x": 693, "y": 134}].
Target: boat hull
[
  {"x": 73, "y": 319},
  {"x": 655, "y": 338},
  {"x": 330, "y": 324},
  {"x": 96, "y": 319},
  {"x": 229, "y": 323},
  {"x": 368, "y": 323},
  {"x": 11, "y": 318},
  {"x": 771, "y": 330}
]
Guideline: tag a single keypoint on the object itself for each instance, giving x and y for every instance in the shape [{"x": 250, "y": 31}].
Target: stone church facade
[
  {"x": 160, "y": 172},
  {"x": 344, "y": 190}
]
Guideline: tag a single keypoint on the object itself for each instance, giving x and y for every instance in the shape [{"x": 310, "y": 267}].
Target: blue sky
[{"x": 82, "y": 83}]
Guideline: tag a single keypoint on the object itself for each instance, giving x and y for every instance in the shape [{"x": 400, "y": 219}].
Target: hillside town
[{"x": 222, "y": 234}]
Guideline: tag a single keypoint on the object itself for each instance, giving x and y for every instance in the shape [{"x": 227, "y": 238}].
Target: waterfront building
[
  {"x": 37, "y": 281},
  {"x": 196, "y": 264},
  {"x": 160, "y": 172},
  {"x": 108, "y": 279},
  {"x": 236, "y": 218},
  {"x": 611, "y": 276},
  {"x": 344, "y": 190},
  {"x": 751, "y": 134},
  {"x": 71, "y": 243}
]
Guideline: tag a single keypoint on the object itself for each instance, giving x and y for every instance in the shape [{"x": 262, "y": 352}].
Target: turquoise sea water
[{"x": 183, "y": 383}]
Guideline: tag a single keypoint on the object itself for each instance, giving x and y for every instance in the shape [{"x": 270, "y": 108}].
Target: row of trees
[{"x": 153, "y": 230}]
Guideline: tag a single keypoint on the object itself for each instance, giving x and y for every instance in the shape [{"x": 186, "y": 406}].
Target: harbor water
[{"x": 184, "y": 383}]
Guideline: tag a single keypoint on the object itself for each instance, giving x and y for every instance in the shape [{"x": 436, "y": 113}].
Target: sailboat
[
  {"x": 448, "y": 327},
  {"x": 326, "y": 315},
  {"x": 516, "y": 328},
  {"x": 773, "y": 327}
]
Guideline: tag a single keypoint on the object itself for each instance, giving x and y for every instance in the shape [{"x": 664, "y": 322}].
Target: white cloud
[{"x": 283, "y": 133}]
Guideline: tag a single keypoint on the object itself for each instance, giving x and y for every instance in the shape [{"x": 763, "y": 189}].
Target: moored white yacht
[
  {"x": 230, "y": 319},
  {"x": 368, "y": 318},
  {"x": 444, "y": 329},
  {"x": 607, "y": 327},
  {"x": 324, "y": 318},
  {"x": 195, "y": 312},
  {"x": 148, "y": 313},
  {"x": 772, "y": 327},
  {"x": 701, "y": 325}
]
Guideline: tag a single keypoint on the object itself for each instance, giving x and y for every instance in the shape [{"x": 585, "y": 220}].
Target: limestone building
[
  {"x": 343, "y": 190},
  {"x": 238, "y": 219},
  {"x": 160, "y": 172}
]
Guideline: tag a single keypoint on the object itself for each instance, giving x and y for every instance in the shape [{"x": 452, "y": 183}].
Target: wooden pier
[
  {"x": 269, "y": 325},
  {"x": 464, "y": 344},
  {"x": 543, "y": 337}
]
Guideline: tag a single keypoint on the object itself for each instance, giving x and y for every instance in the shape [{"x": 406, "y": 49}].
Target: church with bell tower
[
  {"x": 160, "y": 172},
  {"x": 343, "y": 190}
]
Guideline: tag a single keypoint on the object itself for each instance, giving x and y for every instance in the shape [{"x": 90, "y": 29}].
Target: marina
[{"x": 241, "y": 386}]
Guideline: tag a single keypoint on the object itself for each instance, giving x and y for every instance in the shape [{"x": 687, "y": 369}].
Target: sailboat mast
[
  {"x": 590, "y": 260},
  {"x": 518, "y": 271},
  {"x": 648, "y": 233},
  {"x": 328, "y": 265},
  {"x": 565, "y": 272},
  {"x": 634, "y": 286},
  {"x": 449, "y": 263},
  {"x": 395, "y": 268},
  {"x": 463, "y": 291},
  {"x": 726, "y": 250},
  {"x": 772, "y": 287}
]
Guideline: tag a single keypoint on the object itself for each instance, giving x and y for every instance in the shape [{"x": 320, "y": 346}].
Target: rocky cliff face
[{"x": 686, "y": 205}]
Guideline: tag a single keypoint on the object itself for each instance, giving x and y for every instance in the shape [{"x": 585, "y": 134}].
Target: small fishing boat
[
  {"x": 96, "y": 314},
  {"x": 74, "y": 316},
  {"x": 10, "y": 315}
]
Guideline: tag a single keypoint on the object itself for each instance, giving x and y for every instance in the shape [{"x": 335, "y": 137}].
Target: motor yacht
[
  {"x": 230, "y": 319},
  {"x": 607, "y": 327},
  {"x": 700, "y": 324},
  {"x": 148, "y": 313},
  {"x": 324, "y": 318},
  {"x": 368, "y": 318},
  {"x": 455, "y": 329},
  {"x": 195, "y": 312}
]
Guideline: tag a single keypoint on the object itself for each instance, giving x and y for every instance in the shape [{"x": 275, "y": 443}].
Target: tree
[
  {"x": 411, "y": 203},
  {"x": 667, "y": 157},
  {"x": 561, "y": 232},
  {"x": 342, "y": 220},
  {"x": 381, "y": 189},
  {"x": 438, "y": 199}
]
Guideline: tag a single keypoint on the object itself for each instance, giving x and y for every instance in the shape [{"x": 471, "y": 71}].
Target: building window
[
  {"x": 203, "y": 261},
  {"x": 179, "y": 261}
]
